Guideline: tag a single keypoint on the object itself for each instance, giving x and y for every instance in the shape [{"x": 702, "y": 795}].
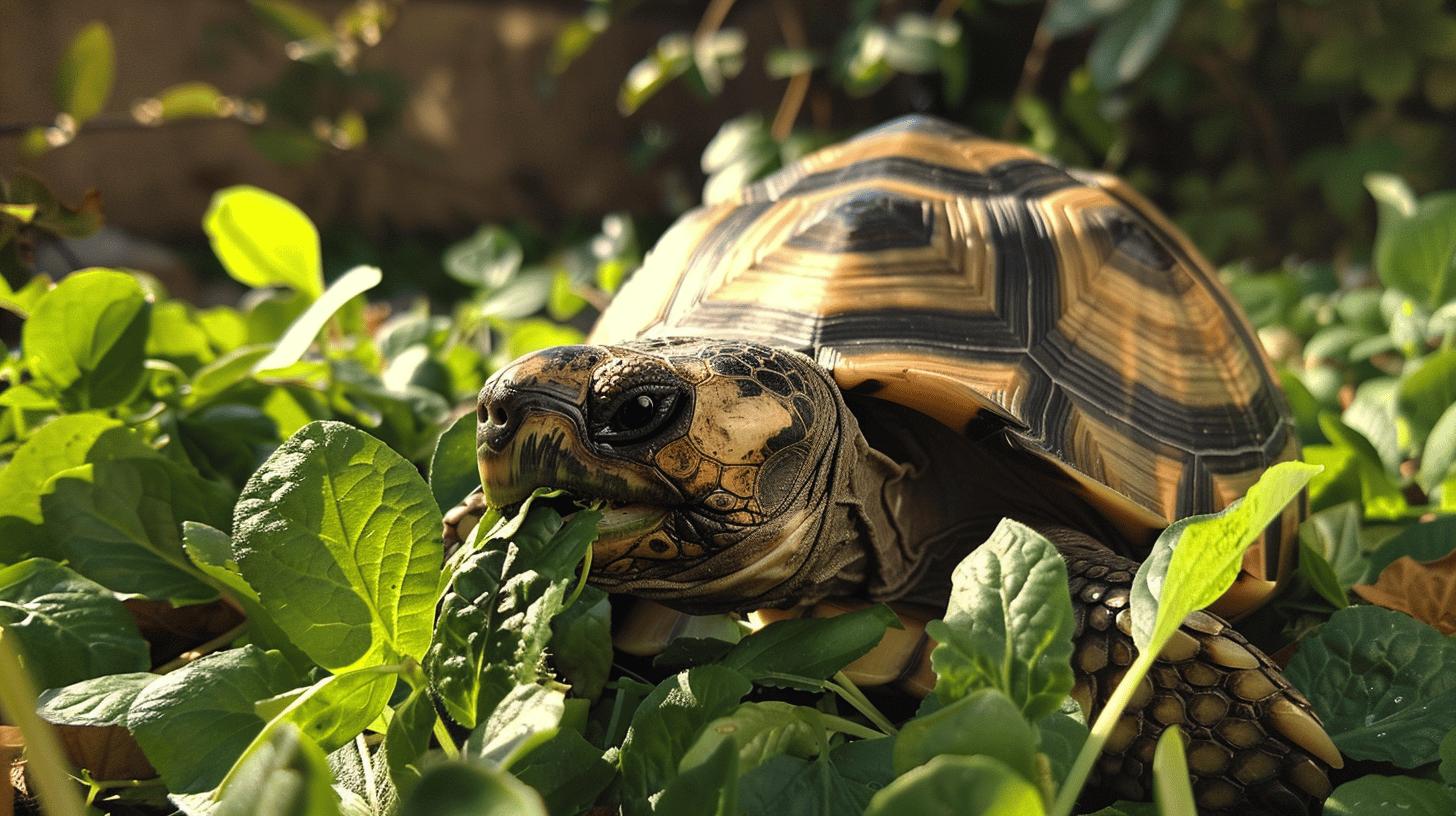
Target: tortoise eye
[{"x": 639, "y": 414}]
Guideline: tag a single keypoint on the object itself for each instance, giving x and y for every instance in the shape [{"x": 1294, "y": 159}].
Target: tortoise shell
[{"x": 986, "y": 286}]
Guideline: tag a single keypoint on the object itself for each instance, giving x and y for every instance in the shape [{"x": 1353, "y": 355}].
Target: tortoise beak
[{"x": 532, "y": 433}]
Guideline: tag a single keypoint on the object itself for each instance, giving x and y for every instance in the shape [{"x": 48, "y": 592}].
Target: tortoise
[{"x": 829, "y": 389}]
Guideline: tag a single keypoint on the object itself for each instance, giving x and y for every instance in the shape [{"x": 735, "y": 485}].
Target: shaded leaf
[
  {"x": 1425, "y": 591},
  {"x": 1406, "y": 795},
  {"x": 973, "y": 786}
]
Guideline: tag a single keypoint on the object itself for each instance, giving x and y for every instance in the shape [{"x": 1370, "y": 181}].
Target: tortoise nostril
[{"x": 497, "y": 413}]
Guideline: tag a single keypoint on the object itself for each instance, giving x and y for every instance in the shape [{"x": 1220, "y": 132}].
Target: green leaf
[
  {"x": 1376, "y": 794},
  {"x": 810, "y": 647},
  {"x": 495, "y": 617},
  {"x": 1439, "y": 453},
  {"x": 564, "y": 302},
  {"x": 488, "y": 260},
  {"x": 63, "y": 443},
  {"x": 1331, "y": 558},
  {"x": 1427, "y": 391},
  {"x": 1126, "y": 45},
  {"x": 581, "y": 643},
  {"x": 1447, "y": 752},
  {"x": 1415, "y": 246},
  {"x": 190, "y": 100},
  {"x": 523, "y": 295},
  {"x": 340, "y": 537},
  {"x": 454, "y": 472},
  {"x": 211, "y": 551},
  {"x": 566, "y": 770},
  {"x": 1171, "y": 786},
  {"x": 84, "y": 77},
  {"x": 708, "y": 786},
  {"x": 68, "y": 628},
  {"x": 1379, "y": 494},
  {"x": 968, "y": 786},
  {"x": 526, "y": 717},
  {"x": 195, "y": 722},
  {"x": 1197, "y": 559},
  {"x": 669, "y": 60},
  {"x": 1065, "y": 17},
  {"x": 263, "y": 240},
  {"x": 1383, "y": 683},
  {"x": 985, "y": 722},
  {"x": 301, "y": 333},
  {"x": 286, "y": 774},
  {"x": 841, "y": 786},
  {"x": 1060, "y": 736},
  {"x": 118, "y": 523},
  {"x": 1008, "y": 624},
  {"x": 465, "y": 789},
  {"x": 87, "y": 339},
  {"x": 759, "y": 732},
  {"x": 292, "y": 20},
  {"x": 407, "y": 739},
  {"x": 1426, "y": 541},
  {"x": 100, "y": 701},
  {"x": 666, "y": 725},
  {"x": 336, "y": 709}
]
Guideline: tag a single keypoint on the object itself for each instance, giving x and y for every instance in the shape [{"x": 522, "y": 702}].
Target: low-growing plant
[{"x": 264, "y": 464}]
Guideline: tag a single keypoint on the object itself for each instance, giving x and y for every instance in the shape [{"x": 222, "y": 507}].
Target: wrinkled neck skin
[{"x": 907, "y": 499}]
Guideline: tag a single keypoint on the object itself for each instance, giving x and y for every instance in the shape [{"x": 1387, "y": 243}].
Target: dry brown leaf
[{"x": 1425, "y": 591}]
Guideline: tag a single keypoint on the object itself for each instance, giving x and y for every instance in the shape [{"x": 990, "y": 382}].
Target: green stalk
[
  {"x": 1101, "y": 730},
  {"x": 849, "y": 727},
  {"x": 845, "y": 688},
  {"x": 447, "y": 743},
  {"x": 44, "y": 757}
]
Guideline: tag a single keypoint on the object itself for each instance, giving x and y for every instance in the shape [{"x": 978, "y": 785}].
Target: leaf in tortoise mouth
[{"x": 1425, "y": 591}]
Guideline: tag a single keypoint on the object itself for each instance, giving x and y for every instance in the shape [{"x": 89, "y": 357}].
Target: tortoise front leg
[{"x": 1253, "y": 739}]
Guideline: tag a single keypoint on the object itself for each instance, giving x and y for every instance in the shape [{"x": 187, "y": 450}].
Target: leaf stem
[
  {"x": 46, "y": 761},
  {"x": 586, "y": 563},
  {"x": 1101, "y": 730},
  {"x": 850, "y": 727},
  {"x": 846, "y": 689},
  {"x": 447, "y": 742}
]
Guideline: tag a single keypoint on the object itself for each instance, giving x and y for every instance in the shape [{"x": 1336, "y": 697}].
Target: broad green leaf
[
  {"x": 340, "y": 537},
  {"x": 841, "y": 786},
  {"x": 407, "y": 739},
  {"x": 1124, "y": 47},
  {"x": 195, "y": 722},
  {"x": 467, "y": 789},
  {"x": 300, "y": 335},
  {"x": 1374, "y": 414},
  {"x": 63, "y": 443},
  {"x": 1171, "y": 786},
  {"x": 967, "y": 786},
  {"x": 118, "y": 523},
  {"x": 1427, "y": 391},
  {"x": 69, "y": 628},
  {"x": 454, "y": 472},
  {"x": 263, "y": 240},
  {"x": 1425, "y": 541},
  {"x": 1376, "y": 794},
  {"x": 566, "y": 770},
  {"x": 285, "y": 774},
  {"x": 1197, "y": 559},
  {"x": 522, "y": 296},
  {"x": 667, "y": 723},
  {"x": 84, "y": 77},
  {"x": 1009, "y": 623},
  {"x": 1383, "y": 683},
  {"x": 1447, "y": 752},
  {"x": 175, "y": 336},
  {"x": 1331, "y": 558},
  {"x": 564, "y": 302},
  {"x": 495, "y": 618},
  {"x": 809, "y": 647},
  {"x": 1379, "y": 493},
  {"x": 100, "y": 701},
  {"x": 335, "y": 709},
  {"x": 1415, "y": 246},
  {"x": 1439, "y": 453},
  {"x": 87, "y": 339},
  {"x": 707, "y": 787},
  {"x": 581, "y": 643},
  {"x": 985, "y": 722},
  {"x": 1060, "y": 736},
  {"x": 211, "y": 551},
  {"x": 488, "y": 260},
  {"x": 526, "y": 717},
  {"x": 760, "y": 731}
]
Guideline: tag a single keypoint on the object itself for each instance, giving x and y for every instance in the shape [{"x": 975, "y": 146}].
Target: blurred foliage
[{"x": 1253, "y": 121}]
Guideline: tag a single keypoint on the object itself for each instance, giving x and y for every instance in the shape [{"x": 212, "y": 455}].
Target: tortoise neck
[{"x": 925, "y": 496}]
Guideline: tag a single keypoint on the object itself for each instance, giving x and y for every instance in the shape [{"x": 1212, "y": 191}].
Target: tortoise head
[{"x": 711, "y": 457}]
